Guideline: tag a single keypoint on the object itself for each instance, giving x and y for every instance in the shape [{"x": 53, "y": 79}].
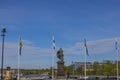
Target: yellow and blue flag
[{"x": 20, "y": 45}]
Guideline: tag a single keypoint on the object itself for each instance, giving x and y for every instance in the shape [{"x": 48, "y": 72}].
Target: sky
[{"x": 70, "y": 21}]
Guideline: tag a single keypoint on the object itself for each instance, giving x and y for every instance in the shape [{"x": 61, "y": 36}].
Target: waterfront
[{"x": 47, "y": 77}]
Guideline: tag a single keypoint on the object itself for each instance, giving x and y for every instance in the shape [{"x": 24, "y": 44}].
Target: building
[{"x": 75, "y": 65}]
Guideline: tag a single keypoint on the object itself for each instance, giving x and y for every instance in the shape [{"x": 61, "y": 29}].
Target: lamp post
[{"x": 3, "y": 35}]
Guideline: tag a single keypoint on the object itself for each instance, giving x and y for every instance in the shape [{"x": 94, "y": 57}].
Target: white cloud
[
  {"x": 94, "y": 47},
  {"x": 37, "y": 54},
  {"x": 102, "y": 46}
]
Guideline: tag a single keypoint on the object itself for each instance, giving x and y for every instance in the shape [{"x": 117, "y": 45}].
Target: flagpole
[
  {"x": 86, "y": 53},
  {"x": 117, "y": 64},
  {"x": 116, "y": 46},
  {"x": 85, "y": 56},
  {"x": 85, "y": 64},
  {"x": 19, "y": 54},
  {"x": 52, "y": 64},
  {"x": 53, "y": 53},
  {"x": 18, "y": 76}
]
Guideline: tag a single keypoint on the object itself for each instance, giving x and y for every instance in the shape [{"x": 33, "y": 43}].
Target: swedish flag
[{"x": 20, "y": 45}]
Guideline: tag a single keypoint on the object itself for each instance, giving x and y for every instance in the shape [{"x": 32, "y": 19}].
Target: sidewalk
[{"x": 65, "y": 79}]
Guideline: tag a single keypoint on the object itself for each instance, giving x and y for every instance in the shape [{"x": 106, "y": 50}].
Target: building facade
[{"x": 75, "y": 65}]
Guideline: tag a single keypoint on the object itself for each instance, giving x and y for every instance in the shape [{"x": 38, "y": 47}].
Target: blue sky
[{"x": 70, "y": 21}]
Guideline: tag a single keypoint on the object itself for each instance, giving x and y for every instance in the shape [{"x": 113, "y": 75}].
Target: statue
[
  {"x": 60, "y": 54},
  {"x": 60, "y": 64}
]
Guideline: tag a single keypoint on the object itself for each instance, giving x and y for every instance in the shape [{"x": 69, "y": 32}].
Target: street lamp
[{"x": 3, "y": 35}]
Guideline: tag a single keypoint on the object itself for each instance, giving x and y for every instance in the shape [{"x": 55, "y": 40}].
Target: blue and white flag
[
  {"x": 53, "y": 43},
  {"x": 116, "y": 45}
]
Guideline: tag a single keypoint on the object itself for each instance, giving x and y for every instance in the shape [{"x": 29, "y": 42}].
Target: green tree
[
  {"x": 108, "y": 67},
  {"x": 79, "y": 71},
  {"x": 95, "y": 68}
]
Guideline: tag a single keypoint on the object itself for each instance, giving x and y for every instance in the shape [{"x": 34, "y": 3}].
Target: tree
[
  {"x": 79, "y": 71},
  {"x": 108, "y": 66},
  {"x": 95, "y": 68}
]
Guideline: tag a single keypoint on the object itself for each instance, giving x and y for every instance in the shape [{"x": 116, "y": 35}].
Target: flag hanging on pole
[
  {"x": 116, "y": 45},
  {"x": 20, "y": 45},
  {"x": 85, "y": 44},
  {"x": 53, "y": 43}
]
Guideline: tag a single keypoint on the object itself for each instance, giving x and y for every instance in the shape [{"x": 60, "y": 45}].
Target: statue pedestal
[{"x": 60, "y": 69}]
